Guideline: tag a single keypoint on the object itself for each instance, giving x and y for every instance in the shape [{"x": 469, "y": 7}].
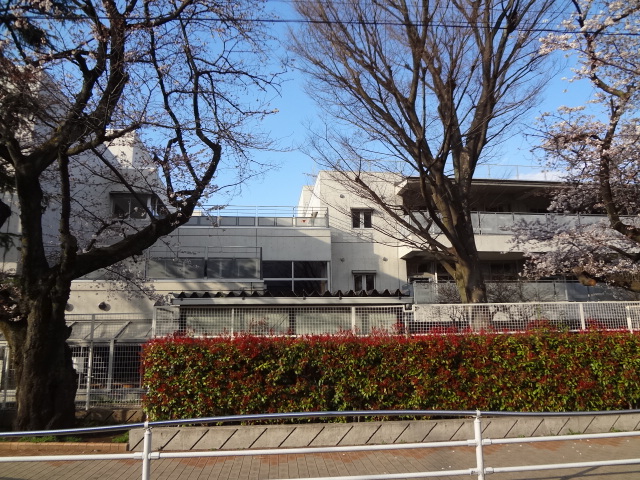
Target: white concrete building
[
  {"x": 332, "y": 241},
  {"x": 332, "y": 264}
]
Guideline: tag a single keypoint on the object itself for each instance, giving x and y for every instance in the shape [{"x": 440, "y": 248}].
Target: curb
[
  {"x": 72, "y": 446},
  {"x": 375, "y": 433}
]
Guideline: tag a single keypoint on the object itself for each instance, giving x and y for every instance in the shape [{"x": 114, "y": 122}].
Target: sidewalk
[{"x": 355, "y": 463}]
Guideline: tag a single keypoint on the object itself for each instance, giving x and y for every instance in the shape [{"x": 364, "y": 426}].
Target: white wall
[{"x": 364, "y": 249}]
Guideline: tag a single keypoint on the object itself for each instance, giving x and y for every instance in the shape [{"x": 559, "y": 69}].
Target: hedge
[{"x": 538, "y": 371}]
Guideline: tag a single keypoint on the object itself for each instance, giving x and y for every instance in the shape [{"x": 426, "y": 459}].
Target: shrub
[{"x": 541, "y": 370}]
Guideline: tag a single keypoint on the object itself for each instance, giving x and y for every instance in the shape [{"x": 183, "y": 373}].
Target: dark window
[
  {"x": 361, "y": 218},
  {"x": 298, "y": 276},
  {"x": 126, "y": 205},
  {"x": 309, "y": 286},
  {"x": 278, "y": 287},
  {"x": 497, "y": 271},
  {"x": 275, "y": 269},
  {"x": 442, "y": 274},
  {"x": 309, "y": 269},
  {"x": 364, "y": 281}
]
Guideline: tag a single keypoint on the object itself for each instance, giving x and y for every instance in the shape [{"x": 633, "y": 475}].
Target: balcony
[
  {"x": 499, "y": 223},
  {"x": 238, "y": 216},
  {"x": 493, "y": 223}
]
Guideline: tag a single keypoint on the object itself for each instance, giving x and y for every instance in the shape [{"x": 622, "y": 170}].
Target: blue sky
[{"x": 282, "y": 186}]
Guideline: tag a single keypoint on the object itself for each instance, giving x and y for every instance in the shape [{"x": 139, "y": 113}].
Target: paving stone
[
  {"x": 215, "y": 438},
  {"x": 576, "y": 425},
  {"x": 389, "y": 432},
  {"x": 601, "y": 424},
  {"x": 187, "y": 438},
  {"x": 444, "y": 430},
  {"x": 497, "y": 427},
  {"x": 243, "y": 438},
  {"x": 302, "y": 436},
  {"x": 381, "y": 463},
  {"x": 331, "y": 434},
  {"x": 274, "y": 436},
  {"x": 550, "y": 426},
  {"x": 360, "y": 434},
  {"x": 627, "y": 423},
  {"x": 416, "y": 431},
  {"x": 524, "y": 427}
]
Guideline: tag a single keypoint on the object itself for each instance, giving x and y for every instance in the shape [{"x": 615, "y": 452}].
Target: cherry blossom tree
[
  {"x": 188, "y": 77},
  {"x": 598, "y": 146}
]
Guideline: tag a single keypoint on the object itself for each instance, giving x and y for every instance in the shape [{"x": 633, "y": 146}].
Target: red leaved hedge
[{"x": 536, "y": 371}]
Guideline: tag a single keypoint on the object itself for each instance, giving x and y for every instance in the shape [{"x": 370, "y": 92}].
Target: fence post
[
  {"x": 154, "y": 321},
  {"x": 90, "y": 364},
  {"x": 583, "y": 323},
  {"x": 233, "y": 321},
  {"x": 4, "y": 374},
  {"x": 354, "y": 329},
  {"x": 146, "y": 452},
  {"x": 477, "y": 430}
]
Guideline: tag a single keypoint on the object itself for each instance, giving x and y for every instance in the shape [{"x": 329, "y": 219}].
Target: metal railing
[
  {"x": 478, "y": 442},
  {"x": 105, "y": 350},
  {"x": 267, "y": 216},
  {"x": 502, "y": 223},
  {"x": 422, "y": 319}
]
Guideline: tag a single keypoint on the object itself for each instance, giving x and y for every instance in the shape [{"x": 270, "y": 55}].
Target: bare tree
[
  {"x": 419, "y": 89},
  {"x": 75, "y": 75}
]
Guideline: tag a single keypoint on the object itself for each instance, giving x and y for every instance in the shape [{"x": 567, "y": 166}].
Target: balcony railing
[
  {"x": 239, "y": 216},
  {"x": 499, "y": 223}
]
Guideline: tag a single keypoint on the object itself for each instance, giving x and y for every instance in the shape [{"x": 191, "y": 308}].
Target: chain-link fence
[
  {"x": 515, "y": 317},
  {"x": 106, "y": 347},
  {"x": 106, "y": 356},
  {"x": 420, "y": 319},
  {"x": 279, "y": 320}
]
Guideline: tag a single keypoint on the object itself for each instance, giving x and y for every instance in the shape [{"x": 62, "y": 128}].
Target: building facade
[{"x": 332, "y": 241}]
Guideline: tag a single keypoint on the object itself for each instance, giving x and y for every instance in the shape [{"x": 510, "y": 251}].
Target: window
[
  {"x": 220, "y": 268},
  {"x": 232, "y": 268},
  {"x": 501, "y": 271},
  {"x": 284, "y": 277},
  {"x": 364, "y": 281},
  {"x": 442, "y": 276},
  {"x": 175, "y": 268},
  {"x": 126, "y": 205},
  {"x": 361, "y": 218}
]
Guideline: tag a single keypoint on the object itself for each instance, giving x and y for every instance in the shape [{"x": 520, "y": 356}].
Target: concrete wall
[
  {"x": 376, "y": 433},
  {"x": 359, "y": 249}
]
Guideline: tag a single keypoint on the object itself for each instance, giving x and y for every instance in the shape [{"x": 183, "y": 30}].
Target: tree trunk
[
  {"x": 45, "y": 378},
  {"x": 468, "y": 275}
]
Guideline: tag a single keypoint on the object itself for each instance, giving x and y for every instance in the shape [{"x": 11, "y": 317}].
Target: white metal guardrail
[{"x": 477, "y": 469}]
